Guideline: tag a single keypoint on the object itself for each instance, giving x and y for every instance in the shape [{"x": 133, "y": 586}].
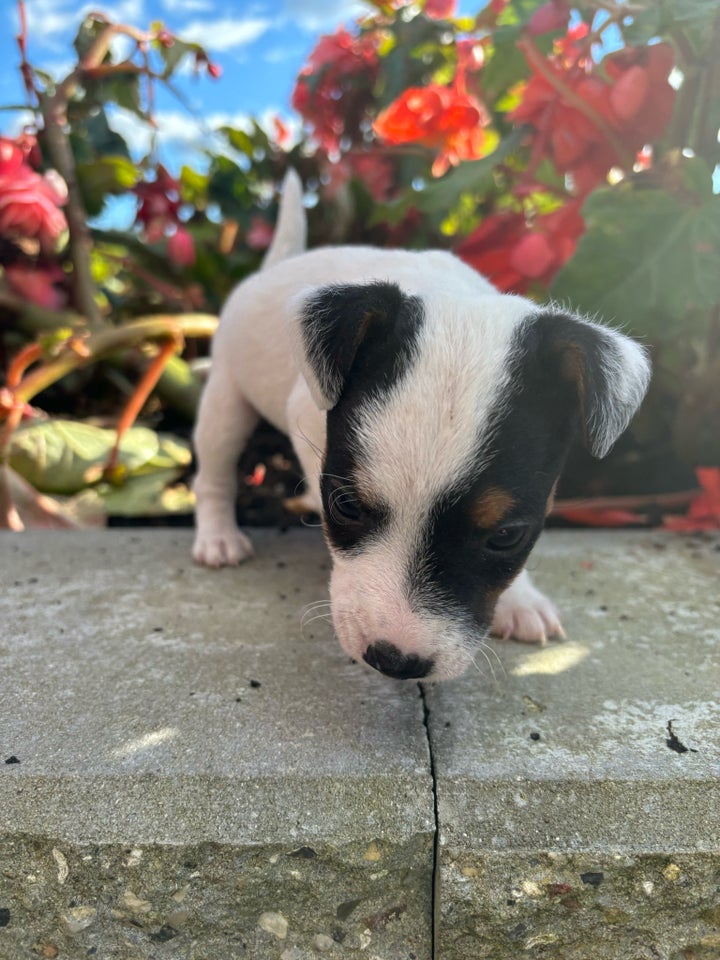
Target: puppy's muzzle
[{"x": 386, "y": 658}]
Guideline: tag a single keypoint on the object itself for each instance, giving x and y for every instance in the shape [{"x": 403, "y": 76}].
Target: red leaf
[{"x": 589, "y": 517}]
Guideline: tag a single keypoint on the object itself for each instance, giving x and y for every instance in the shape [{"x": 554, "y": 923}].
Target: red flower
[
  {"x": 281, "y": 132},
  {"x": 489, "y": 250},
  {"x": 11, "y": 157},
  {"x": 446, "y": 119},
  {"x": 642, "y": 99},
  {"x": 29, "y": 202},
  {"x": 623, "y": 113},
  {"x": 704, "y": 511},
  {"x": 181, "y": 248},
  {"x": 259, "y": 235},
  {"x": 550, "y": 16},
  {"x": 513, "y": 254},
  {"x": 159, "y": 205},
  {"x": 333, "y": 91},
  {"x": 439, "y": 9},
  {"x": 37, "y": 284}
]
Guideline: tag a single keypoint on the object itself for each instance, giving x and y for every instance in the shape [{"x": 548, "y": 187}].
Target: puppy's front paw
[
  {"x": 526, "y": 614},
  {"x": 226, "y": 549}
]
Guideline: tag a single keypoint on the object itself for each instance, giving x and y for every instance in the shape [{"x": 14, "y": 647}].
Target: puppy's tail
[{"x": 290, "y": 234}]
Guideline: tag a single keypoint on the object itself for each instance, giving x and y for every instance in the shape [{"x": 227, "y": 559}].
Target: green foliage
[
  {"x": 65, "y": 456},
  {"x": 634, "y": 241},
  {"x": 646, "y": 259}
]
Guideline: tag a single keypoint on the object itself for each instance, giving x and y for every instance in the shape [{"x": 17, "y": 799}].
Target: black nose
[{"x": 386, "y": 658}]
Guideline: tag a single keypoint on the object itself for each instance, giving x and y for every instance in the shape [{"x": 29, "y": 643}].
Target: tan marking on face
[{"x": 490, "y": 507}]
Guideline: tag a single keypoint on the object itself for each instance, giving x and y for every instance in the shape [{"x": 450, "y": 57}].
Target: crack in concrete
[{"x": 434, "y": 899}]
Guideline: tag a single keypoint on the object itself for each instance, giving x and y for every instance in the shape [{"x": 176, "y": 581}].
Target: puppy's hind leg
[{"x": 225, "y": 422}]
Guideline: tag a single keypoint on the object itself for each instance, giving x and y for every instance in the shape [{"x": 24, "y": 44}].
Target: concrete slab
[
  {"x": 573, "y": 822},
  {"x": 197, "y": 778}
]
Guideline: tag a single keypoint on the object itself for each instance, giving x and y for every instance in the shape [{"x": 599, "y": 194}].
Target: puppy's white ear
[
  {"x": 610, "y": 373},
  {"x": 331, "y": 325}
]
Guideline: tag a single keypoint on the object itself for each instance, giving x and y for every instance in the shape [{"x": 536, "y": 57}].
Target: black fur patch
[
  {"x": 381, "y": 357},
  {"x": 338, "y": 320},
  {"x": 531, "y": 429}
]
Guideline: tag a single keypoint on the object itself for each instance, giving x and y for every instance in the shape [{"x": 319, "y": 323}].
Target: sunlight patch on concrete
[{"x": 551, "y": 660}]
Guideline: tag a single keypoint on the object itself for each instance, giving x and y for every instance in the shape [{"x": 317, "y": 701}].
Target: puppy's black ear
[
  {"x": 609, "y": 372},
  {"x": 332, "y": 327}
]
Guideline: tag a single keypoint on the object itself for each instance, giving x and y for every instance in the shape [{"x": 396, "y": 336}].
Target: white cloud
[
  {"x": 187, "y": 6},
  {"x": 281, "y": 54},
  {"x": 52, "y": 22},
  {"x": 184, "y": 138},
  {"x": 225, "y": 34},
  {"x": 322, "y": 14}
]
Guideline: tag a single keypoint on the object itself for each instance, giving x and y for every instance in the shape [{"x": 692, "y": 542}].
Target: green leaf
[
  {"x": 172, "y": 454},
  {"x": 103, "y": 139},
  {"x": 662, "y": 17},
  {"x": 518, "y": 12},
  {"x": 64, "y": 456},
  {"x": 149, "y": 495},
  {"x": 102, "y": 177},
  {"x": 646, "y": 260},
  {"x": 173, "y": 56},
  {"x": 193, "y": 187},
  {"x": 506, "y": 64}
]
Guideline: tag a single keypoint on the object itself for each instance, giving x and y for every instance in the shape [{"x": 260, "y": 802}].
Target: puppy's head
[{"x": 448, "y": 422}]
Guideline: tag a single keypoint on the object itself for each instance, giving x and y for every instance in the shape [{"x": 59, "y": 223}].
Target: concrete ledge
[{"x": 199, "y": 779}]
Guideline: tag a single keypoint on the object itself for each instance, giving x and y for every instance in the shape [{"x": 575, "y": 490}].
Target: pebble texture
[{"x": 186, "y": 774}]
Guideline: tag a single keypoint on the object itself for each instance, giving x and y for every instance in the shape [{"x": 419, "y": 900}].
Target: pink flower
[
  {"x": 181, "y": 248},
  {"x": 37, "y": 284},
  {"x": 159, "y": 204},
  {"x": 11, "y": 157},
  {"x": 439, "y": 9},
  {"x": 29, "y": 202},
  {"x": 550, "y": 16},
  {"x": 259, "y": 234}
]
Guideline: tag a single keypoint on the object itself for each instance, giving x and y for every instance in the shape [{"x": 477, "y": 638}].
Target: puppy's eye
[
  {"x": 507, "y": 539},
  {"x": 343, "y": 505}
]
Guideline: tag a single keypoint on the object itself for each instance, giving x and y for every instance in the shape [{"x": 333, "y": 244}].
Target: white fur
[{"x": 413, "y": 444}]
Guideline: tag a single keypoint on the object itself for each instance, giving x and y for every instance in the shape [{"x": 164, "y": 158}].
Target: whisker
[
  {"x": 313, "y": 608},
  {"x": 485, "y": 650},
  {"x": 315, "y": 603},
  {"x": 303, "y": 436},
  {"x": 307, "y": 523},
  {"x": 319, "y": 616}
]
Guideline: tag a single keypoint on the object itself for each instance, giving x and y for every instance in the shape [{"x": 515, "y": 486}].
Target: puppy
[{"x": 431, "y": 416}]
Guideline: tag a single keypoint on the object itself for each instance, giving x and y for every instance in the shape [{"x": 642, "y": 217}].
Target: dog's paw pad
[
  {"x": 222, "y": 550},
  {"x": 527, "y": 616}
]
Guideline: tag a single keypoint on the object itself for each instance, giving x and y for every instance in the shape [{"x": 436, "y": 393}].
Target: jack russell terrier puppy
[{"x": 431, "y": 415}]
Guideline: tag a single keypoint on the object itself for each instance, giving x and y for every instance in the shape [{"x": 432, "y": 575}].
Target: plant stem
[
  {"x": 105, "y": 342},
  {"x": 80, "y": 242},
  {"x": 138, "y": 398},
  {"x": 705, "y": 142}
]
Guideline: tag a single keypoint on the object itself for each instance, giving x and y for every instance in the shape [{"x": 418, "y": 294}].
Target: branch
[
  {"x": 100, "y": 344},
  {"x": 54, "y": 118},
  {"x": 54, "y": 111}
]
